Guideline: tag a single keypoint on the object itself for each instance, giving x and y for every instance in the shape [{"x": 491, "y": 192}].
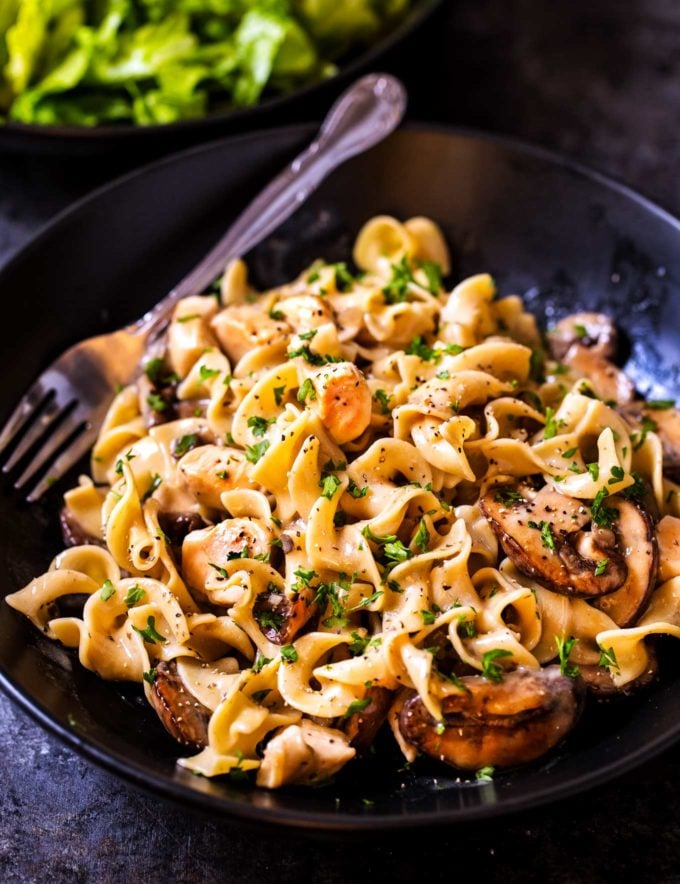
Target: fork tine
[
  {"x": 26, "y": 407},
  {"x": 50, "y": 417},
  {"x": 53, "y": 443},
  {"x": 77, "y": 448}
]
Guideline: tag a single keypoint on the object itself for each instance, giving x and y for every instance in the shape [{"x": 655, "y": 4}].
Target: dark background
[{"x": 599, "y": 82}]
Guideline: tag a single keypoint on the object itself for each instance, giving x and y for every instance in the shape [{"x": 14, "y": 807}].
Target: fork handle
[{"x": 363, "y": 115}]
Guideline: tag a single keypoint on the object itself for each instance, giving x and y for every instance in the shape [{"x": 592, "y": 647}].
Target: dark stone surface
[{"x": 598, "y": 81}]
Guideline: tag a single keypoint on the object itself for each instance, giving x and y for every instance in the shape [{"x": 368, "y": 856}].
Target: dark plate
[
  {"x": 562, "y": 236},
  {"x": 272, "y": 110}
]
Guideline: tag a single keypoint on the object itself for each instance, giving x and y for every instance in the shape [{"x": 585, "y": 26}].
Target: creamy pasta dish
[{"x": 362, "y": 501}]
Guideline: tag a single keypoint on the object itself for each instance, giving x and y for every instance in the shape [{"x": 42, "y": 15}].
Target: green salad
[{"x": 90, "y": 62}]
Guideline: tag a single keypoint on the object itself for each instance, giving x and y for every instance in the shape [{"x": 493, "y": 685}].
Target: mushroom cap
[{"x": 499, "y": 724}]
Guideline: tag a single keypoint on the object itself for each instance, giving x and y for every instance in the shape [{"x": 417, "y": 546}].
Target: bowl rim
[
  {"x": 342, "y": 821},
  {"x": 45, "y": 134}
]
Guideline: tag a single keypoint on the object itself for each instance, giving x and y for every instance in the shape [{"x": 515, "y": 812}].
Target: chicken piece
[
  {"x": 216, "y": 546},
  {"x": 305, "y": 312},
  {"x": 343, "y": 400},
  {"x": 184, "y": 717},
  {"x": 497, "y": 724},
  {"x": 189, "y": 334},
  {"x": 242, "y": 327},
  {"x": 304, "y": 753},
  {"x": 668, "y": 539},
  {"x": 210, "y": 470}
]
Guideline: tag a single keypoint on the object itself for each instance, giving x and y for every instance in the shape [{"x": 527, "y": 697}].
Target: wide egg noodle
[{"x": 377, "y": 543}]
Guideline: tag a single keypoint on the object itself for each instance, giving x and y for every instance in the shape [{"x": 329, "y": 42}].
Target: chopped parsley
[
  {"x": 422, "y": 538},
  {"x": 637, "y": 490},
  {"x": 564, "y": 648},
  {"x": 508, "y": 496},
  {"x": 156, "y": 480},
  {"x": 491, "y": 670},
  {"x": 647, "y": 426},
  {"x": 384, "y": 399},
  {"x": 601, "y": 567},
  {"x": 259, "y": 424},
  {"x": 289, "y": 654},
  {"x": 570, "y": 452},
  {"x": 396, "y": 290},
  {"x": 150, "y": 675},
  {"x": 343, "y": 278},
  {"x": 356, "y": 706},
  {"x": 184, "y": 444},
  {"x": 546, "y": 533},
  {"x": 329, "y": 485},
  {"x": 306, "y": 391},
  {"x": 135, "y": 594},
  {"x": 207, "y": 373},
  {"x": 221, "y": 571},
  {"x": 358, "y": 644},
  {"x": 580, "y": 330},
  {"x": 594, "y": 470},
  {"x": 276, "y": 315},
  {"x": 355, "y": 491},
  {"x": 485, "y": 774},
  {"x": 156, "y": 402},
  {"x": 550, "y": 429},
  {"x": 279, "y": 393},
  {"x": 660, "y": 404},
  {"x": 603, "y": 516},
  {"x": 444, "y": 375},
  {"x": 269, "y": 620},
  {"x": 188, "y": 317},
  {"x": 419, "y": 348},
  {"x": 150, "y": 633},
  {"x": 433, "y": 273},
  {"x": 255, "y": 452},
  {"x": 107, "y": 590},
  {"x": 260, "y": 662},
  {"x": 617, "y": 475},
  {"x": 608, "y": 659},
  {"x": 428, "y": 617}
]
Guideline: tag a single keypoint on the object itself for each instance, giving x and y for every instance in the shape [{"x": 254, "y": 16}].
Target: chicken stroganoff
[{"x": 360, "y": 501}]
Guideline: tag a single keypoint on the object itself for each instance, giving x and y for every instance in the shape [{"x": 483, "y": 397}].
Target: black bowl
[
  {"x": 563, "y": 237},
  {"x": 309, "y": 101}
]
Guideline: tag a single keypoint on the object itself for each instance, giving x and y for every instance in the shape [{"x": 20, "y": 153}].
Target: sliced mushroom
[
  {"x": 281, "y": 616},
  {"x": 543, "y": 533},
  {"x": 210, "y": 470},
  {"x": 242, "y": 327},
  {"x": 498, "y": 724},
  {"x": 665, "y": 423},
  {"x": 593, "y": 330},
  {"x": 203, "y": 551},
  {"x": 587, "y": 342},
  {"x": 176, "y": 526},
  {"x": 606, "y": 380},
  {"x": 362, "y": 727},
  {"x": 600, "y": 683},
  {"x": 638, "y": 541},
  {"x": 185, "y": 718}
]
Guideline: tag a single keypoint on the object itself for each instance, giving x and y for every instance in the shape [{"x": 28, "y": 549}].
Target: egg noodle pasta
[{"x": 361, "y": 500}]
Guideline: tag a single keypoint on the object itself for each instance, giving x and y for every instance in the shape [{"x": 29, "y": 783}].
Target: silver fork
[{"x": 60, "y": 414}]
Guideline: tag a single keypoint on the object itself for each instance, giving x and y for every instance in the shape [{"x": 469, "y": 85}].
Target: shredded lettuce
[{"x": 89, "y": 62}]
